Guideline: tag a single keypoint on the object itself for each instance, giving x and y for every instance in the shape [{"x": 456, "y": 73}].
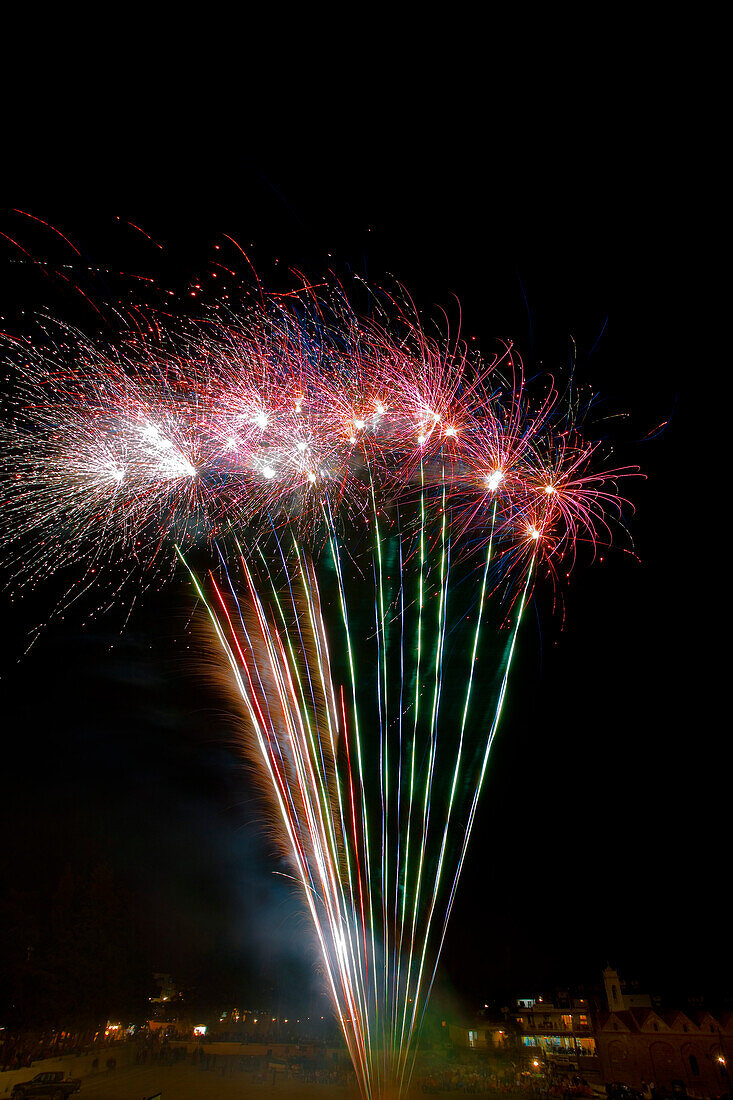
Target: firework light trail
[{"x": 375, "y": 506}]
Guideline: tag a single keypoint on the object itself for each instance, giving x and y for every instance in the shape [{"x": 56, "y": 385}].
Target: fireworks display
[{"x": 372, "y": 507}]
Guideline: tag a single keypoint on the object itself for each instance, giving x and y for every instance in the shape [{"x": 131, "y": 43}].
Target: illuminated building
[{"x": 561, "y": 1035}]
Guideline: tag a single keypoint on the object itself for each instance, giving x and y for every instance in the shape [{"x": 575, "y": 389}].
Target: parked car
[{"x": 49, "y": 1084}]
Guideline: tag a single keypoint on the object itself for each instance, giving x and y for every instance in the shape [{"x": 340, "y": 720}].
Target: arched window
[{"x": 694, "y": 1066}]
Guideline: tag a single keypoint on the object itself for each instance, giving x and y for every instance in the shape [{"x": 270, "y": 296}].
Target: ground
[
  {"x": 185, "y": 1082},
  {"x": 190, "y": 1083}
]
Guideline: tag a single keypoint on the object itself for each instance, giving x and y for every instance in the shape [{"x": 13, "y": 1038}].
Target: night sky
[{"x": 604, "y": 831}]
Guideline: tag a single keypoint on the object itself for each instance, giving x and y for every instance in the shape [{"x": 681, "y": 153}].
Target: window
[
  {"x": 583, "y": 1021},
  {"x": 694, "y": 1066}
]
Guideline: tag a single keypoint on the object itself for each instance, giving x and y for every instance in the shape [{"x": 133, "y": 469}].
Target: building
[
  {"x": 637, "y": 1045},
  {"x": 619, "y": 997},
  {"x": 640, "y": 1043},
  {"x": 560, "y": 1034},
  {"x": 168, "y": 991},
  {"x": 614, "y": 1033},
  {"x": 479, "y": 1036}
]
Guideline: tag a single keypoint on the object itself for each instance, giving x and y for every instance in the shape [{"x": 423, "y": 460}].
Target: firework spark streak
[{"x": 375, "y": 508}]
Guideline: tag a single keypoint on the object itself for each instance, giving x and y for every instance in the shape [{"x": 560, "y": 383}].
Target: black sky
[{"x": 604, "y": 828}]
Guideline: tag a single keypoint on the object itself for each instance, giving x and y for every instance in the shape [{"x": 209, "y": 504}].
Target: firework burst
[{"x": 377, "y": 506}]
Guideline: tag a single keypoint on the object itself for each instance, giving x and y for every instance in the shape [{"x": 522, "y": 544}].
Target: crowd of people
[{"x": 474, "y": 1080}]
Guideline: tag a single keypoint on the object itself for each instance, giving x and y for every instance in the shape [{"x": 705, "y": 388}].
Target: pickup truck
[{"x": 53, "y": 1085}]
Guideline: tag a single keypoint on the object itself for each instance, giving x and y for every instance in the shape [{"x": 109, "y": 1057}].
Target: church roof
[{"x": 643, "y": 1019}]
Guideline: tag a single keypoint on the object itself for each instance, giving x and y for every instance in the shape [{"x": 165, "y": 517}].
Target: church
[{"x": 638, "y": 1044}]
